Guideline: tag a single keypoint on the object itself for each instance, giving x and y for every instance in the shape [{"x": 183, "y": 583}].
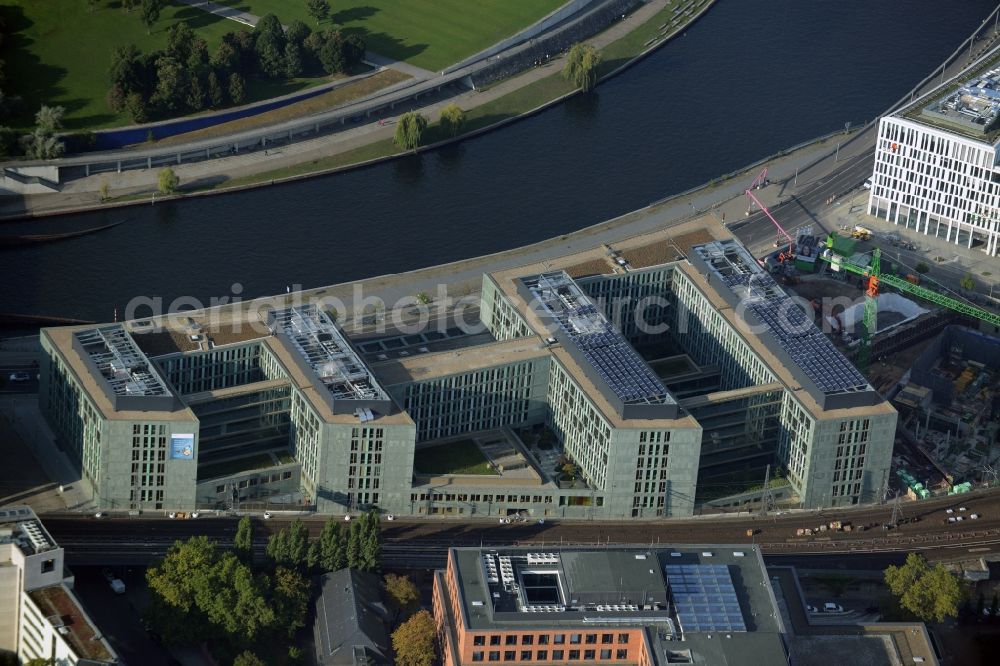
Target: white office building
[
  {"x": 937, "y": 165},
  {"x": 40, "y": 617}
]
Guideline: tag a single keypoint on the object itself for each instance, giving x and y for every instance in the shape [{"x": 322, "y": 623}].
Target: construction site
[{"x": 928, "y": 348}]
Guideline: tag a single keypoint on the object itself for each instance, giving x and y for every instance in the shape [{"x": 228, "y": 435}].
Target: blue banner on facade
[{"x": 182, "y": 447}]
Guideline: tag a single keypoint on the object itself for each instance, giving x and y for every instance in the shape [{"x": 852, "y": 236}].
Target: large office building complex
[
  {"x": 679, "y": 605},
  {"x": 937, "y": 164},
  {"x": 631, "y": 383},
  {"x": 40, "y": 617}
]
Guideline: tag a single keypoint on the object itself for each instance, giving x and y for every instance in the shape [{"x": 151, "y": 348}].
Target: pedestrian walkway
[{"x": 231, "y": 13}]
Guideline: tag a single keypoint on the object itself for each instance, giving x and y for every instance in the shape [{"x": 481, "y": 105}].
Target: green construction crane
[{"x": 875, "y": 279}]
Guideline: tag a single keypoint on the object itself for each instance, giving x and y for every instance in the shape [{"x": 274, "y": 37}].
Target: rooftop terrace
[{"x": 63, "y": 611}]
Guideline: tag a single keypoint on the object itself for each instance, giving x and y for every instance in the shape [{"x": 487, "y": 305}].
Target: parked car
[
  {"x": 830, "y": 607},
  {"x": 811, "y": 609},
  {"x": 19, "y": 377}
]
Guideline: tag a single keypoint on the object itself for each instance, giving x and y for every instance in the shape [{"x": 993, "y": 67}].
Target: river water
[{"x": 750, "y": 78}]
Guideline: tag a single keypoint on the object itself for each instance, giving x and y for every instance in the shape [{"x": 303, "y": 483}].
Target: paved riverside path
[{"x": 84, "y": 193}]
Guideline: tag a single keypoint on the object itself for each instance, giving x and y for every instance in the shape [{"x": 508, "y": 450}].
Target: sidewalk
[{"x": 84, "y": 193}]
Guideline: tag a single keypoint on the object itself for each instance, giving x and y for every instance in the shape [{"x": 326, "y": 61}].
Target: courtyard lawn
[
  {"x": 461, "y": 457},
  {"x": 57, "y": 53},
  {"x": 426, "y": 33}
]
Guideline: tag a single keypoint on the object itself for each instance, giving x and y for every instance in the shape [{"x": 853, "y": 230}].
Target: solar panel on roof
[{"x": 704, "y": 598}]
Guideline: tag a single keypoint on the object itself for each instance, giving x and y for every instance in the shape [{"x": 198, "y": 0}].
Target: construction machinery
[
  {"x": 757, "y": 183},
  {"x": 861, "y": 233},
  {"x": 874, "y": 279}
]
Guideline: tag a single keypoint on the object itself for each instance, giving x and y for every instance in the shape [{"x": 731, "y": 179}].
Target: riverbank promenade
[{"x": 84, "y": 193}]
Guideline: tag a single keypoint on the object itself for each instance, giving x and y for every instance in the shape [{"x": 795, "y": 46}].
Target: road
[
  {"x": 422, "y": 543},
  {"x": 796, "y": 211}
]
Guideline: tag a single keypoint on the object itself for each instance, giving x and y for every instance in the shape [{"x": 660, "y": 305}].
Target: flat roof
[
  {"x": 519, "y": 588},
  {"x": 308, "y": 385},
  {"x": 424, "y": 367},
  {"x": 62, "y": 609},
  {"x": 584, "y": 327},
  {"x": 779, "y": 322},
  {"x": 969, "y": 107},
  {"x": 119, "y": 360},
  {"x": 775, "y": 366},
  {"x": 321, "y": 345},
  {"x": 61, "y": 338},
  {"x": 25, "y": 530}
]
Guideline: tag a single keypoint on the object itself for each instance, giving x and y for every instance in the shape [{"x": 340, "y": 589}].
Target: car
[
  {"x": 173, "y": 514},
  {"x": 867, "y": 184},
  {"x": 962, "y": 508},
  {"x": 347, "y": 518},
  {"x": 949, "y": 511},
  {"x": 987, "y": 611},
  {"x": 390, "y": 517},
  {"x": 830, "y": 607},
  {"x": 99, "y": 514},
  {"x": 267, "y": 515},
  {"x": 195, "y": 514},
  {"x": 19, "y": 377},
  {"x": 811, "y": 609}
]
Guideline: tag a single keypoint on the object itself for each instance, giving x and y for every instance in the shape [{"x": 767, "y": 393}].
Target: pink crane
[{"x": 759, "y": 182}]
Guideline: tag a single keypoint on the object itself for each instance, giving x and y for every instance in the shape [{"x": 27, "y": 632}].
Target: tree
[
  {"x": 293, "y": 60},
  {"x": 180, "y": 40},
  {"x": 967, "y": 282},
  {"x": 126, "y": 70},
  {"x": 269, "y": 44},
  {"x": 930, "y": 593},
  {"x": 226, "y": 59},
  {"x": 352, "y": 50},
  {"x": 409, "y": 130},
  {"x": 277, "y": 548},
  {"x": 298, "y": 543},
  {"x": 331, "y": 52},
  {"x": 318, "y": 9},
  {"x": 136, "y": 106},
  {"x": 291, "y": 599},
  {"x": 236, "y": 90},
  {"x": 922, "y": 267},
  {"x": 215, "y": 95},
  {"x": 105, "y": 190},
  {"x": 452, "y": 119},
  {"x": 167, "y": 181},
  {"x": 243, "y": 541},
  {"x": 41, "y": 145},
  {"x": 150, "y": 13},
  {"x": 354, "y": 545},
  {"x": 370, "y": 558},
  {"x": 581, "y": 66},
  {"x": 297, "y": 32},
  {"x": 49, "y": 118},
  {"x": 248, "y": 658},
  {"x": 413, "y": 641},
  {"x": 333, "y": 550},
  {"x": 196, "y": 95},
  {"x": 313, "y": 556},
  {"x": 403, "y": 594},
  {"x": 172, "y": 84},
  {"x": 129, "y": 5}
]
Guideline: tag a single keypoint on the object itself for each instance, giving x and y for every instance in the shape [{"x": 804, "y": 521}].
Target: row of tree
[
  {"x": 358, "y": 546},
  {"x": 186, "y": 77}
]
